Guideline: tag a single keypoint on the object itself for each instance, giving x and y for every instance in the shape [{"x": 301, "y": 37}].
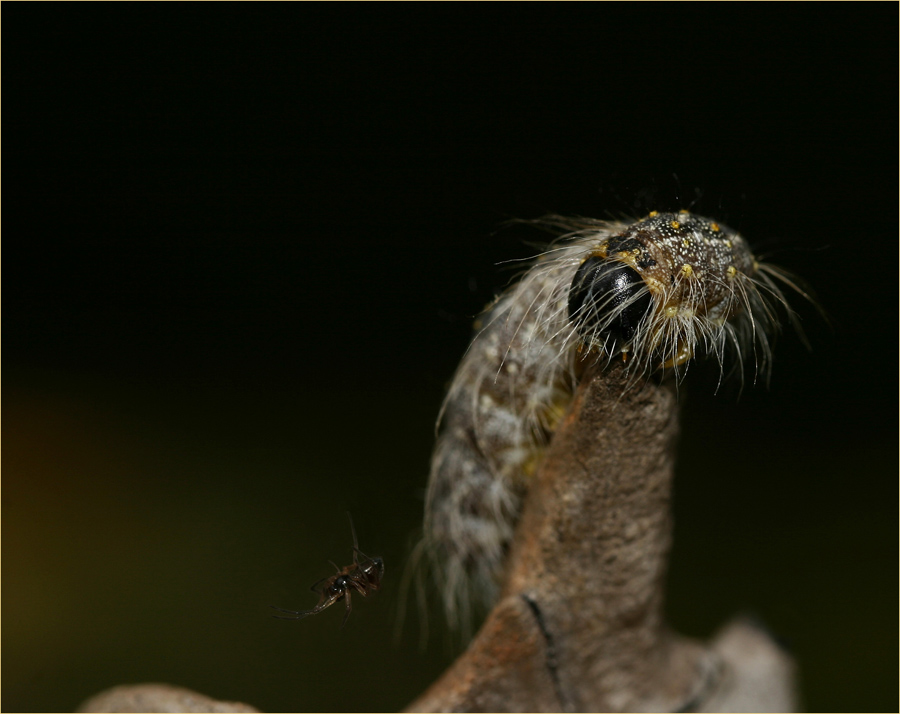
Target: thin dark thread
[{"x": 552, "y": 663}]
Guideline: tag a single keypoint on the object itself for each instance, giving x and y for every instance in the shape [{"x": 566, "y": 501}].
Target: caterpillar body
[{"x": 655, "y": 293}]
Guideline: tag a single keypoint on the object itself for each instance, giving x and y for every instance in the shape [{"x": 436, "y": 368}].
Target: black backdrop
[{"x": 244, "y": 244}]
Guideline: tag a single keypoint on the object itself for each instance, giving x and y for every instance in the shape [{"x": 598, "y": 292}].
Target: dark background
[{"x": 244, "y": 244}]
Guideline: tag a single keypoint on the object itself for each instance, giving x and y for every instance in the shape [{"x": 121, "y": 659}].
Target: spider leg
[
  {"x": 358, "y": 585},
  {"x": 295, "y": 614},
  {"x": 323, "y": 603},
  {"x": 353, "y": 531},
  {"x": 316, "y": 587},
  {"x": 347, "y": 595}
]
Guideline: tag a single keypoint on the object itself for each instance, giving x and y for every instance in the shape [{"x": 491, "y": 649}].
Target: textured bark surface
[{"x": 579, "y": 626}]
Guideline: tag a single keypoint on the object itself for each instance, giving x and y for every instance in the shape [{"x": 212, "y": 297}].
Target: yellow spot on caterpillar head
[
  {"x": 653, "y": 214},
  {"x": 728, "y": 243},
  {"x": 714, "y": 227},
  {"x": 686, "y": 270},
  {"x": 675, "y": 224},
  {"x": 731, "y": 272},
  {"x": 682, "y": 354},
  {"x": 686, "y": 243}
]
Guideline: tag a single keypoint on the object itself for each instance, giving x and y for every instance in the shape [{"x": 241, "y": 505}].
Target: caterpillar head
[{"x": 670, "y": 287}]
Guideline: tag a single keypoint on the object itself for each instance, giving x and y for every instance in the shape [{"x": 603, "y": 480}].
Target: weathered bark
[{"x": 579, "y": 625}]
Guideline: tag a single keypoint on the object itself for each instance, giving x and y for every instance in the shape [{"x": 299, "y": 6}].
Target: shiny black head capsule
[{"x": 608, "y": 298}]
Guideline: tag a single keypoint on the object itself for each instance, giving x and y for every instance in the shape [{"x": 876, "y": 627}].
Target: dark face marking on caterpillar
[{"x": 608, "y": 298}]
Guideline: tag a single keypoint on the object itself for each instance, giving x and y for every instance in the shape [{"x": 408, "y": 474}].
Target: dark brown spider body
[{"x": 363, "y": 576}]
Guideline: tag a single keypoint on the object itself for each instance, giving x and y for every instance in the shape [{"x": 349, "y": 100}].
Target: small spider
[{"x": 363, "y": 576}]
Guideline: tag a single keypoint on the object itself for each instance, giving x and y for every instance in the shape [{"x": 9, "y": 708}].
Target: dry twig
[{"x": 579, "y": 626}]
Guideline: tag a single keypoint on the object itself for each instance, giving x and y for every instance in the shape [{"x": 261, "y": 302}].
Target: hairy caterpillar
[{"x": 655, "y": 293}]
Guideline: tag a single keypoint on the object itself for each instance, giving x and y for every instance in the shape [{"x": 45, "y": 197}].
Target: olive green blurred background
[{"x": 244, "y": 245}]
